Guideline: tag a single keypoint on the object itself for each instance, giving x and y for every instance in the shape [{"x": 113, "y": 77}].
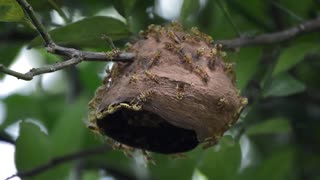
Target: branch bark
[
  {"x": 60, "y": 160},
  {"x": 37, "y": 71},
  {"x": 270, "y": 38},
  {"x": 35, "y": 21},
  {"x": 75, "y": 56}
]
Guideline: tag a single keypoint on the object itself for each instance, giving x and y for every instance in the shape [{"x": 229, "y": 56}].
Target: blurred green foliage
[
  {"x": 10, "y": 11},
  {"x": 276, "y": 138}
]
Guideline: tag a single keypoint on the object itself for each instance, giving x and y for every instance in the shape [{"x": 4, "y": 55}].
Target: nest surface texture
[{"x": 178, "y": 92}]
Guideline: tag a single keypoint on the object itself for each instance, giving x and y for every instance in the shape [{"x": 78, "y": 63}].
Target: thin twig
[
  {"x": 70, "y": 52},
  {"x": 75, "y": 56},
  {"x": 4, "y": 137},
  {"x": 35, "y": 21},
  {"x": 42, "y": 70},
  {"x": 90, "y": 56},
  {"x": 61, "y": 160},
  {"x": 270, "y": 38}
]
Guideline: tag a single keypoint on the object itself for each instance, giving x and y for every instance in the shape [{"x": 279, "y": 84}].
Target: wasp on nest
[{"x": 176, "y": 94}]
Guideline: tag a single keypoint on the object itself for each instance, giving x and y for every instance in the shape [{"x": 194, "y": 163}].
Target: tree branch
[
  {"x": 60, "y": 160},
  {"x": 270, "y": 38},
  {"x": 75, "y": 56},
  {"x": 6, "y": 138},
  {"x": 91, "y": 56},
  {"x": 35, "y": 21},
  {"x": 42, "y": 70}
]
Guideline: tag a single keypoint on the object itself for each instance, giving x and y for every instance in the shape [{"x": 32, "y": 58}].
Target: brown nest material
[{"x": 177, "y": 93}]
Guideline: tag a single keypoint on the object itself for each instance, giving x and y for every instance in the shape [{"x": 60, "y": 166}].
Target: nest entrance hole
[{"x": 146, "y": 130}]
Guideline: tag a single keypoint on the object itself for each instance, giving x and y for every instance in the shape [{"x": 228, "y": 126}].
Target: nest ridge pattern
[{"x": 179, "y": 92}]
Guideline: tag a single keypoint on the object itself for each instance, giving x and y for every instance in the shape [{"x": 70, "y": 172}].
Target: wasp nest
[{"x": 177, "y": 93}]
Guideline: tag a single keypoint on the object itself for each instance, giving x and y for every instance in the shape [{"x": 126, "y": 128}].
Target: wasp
[
  {"x": 179, "y": 156},
  {"x": 173, "y": 36},
  {"x": 187, "y": 37},
  {"x": 213, "y": 52},
  {"x": 147, "y": 157},
  {"x": 228, "y": 67},
  {"x": 115, "y": 72},
  {"x": 143, "y": 33},
  {"x": 133, "y": 79},
  {"x": 195, "y": 31},
  {"x": 200, "y": 51},
  {"x": 169, "y": 46},
  {"x": 221, "y": 103},
  {"x": 187, "y": 57},
  {"x": 211, "y": 141},
  {"x": 144, "y": 96},
  {"x": 243, "y": 101},
  {"x": 155, "y": 58},
  {"x": 207, "y": 38},
  {"x": 222, "y": 53},
  {"x": 94, "y": 129},
  {"x": 211, "y": 63},
  {"x": 202, "y": 73},
  {"x": 218, "y": 46},
  {"x": 202, "y": 35},
  {"x": 128, "y": 46},
  {"x": 127, "y": 150},
  {"x": 180, "y": 90},
  {"x": 230, "y": 72},
  {"x": 108, "y": 40},
  {"x": 152, "y": 27},
  {"x": 177, "y": 26},
  {"x": 151, "y": 76},
  {"x": 113, "y": 53}
]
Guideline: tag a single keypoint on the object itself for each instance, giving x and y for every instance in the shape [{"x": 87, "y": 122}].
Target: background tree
[{"x": 275, "y": 45}]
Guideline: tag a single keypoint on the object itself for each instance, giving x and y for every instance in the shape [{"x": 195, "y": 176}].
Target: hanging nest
[{"x": 177, "y": 93}]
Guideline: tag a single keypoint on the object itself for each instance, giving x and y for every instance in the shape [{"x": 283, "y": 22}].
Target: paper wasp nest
[{"x": 177, "y": 93}]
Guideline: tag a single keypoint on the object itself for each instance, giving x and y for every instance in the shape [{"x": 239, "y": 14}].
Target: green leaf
[
  {"x": 8, "y": 53},
  {"x": 189, "y": 7},
  {"x": 278, "y": 165},
  {"x": 87, "y": 32},
  {"x": 222, "y": 161},
  {"x": 91, "y": 80},
  {"x": 293, "y": 55},
  {"x": 115, "y": 159},
  {"x": 283, "y": 85},
  {"x": 69, "y": 128},
  {"x": 90, "y": 175},
  {"x": 32, "y": 149},
  {"x": 179, "y": 168},
  {"x": 17, "y": 109},
  {"x": 67, "y": 135},
  {"x": 10, "y": 11},
  {"x": 247, "y": 64},
  {"x": 124, "y": 7},
  {"x": 271, "y": 126},
  {"x": 283, "y": 161},
  {"x": 308, "y": 72},
  {"x": 43, "y": 108},
  {"x": 57, "y": 7}
]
